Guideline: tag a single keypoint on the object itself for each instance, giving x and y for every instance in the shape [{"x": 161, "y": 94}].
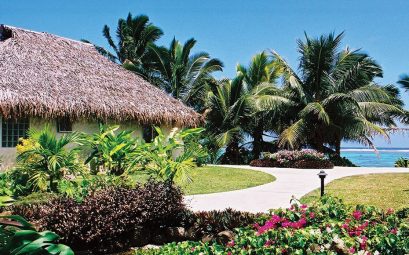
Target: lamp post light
[{"x": 322, "y": 174}]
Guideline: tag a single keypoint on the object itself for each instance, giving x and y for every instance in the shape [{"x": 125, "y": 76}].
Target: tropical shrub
[
  {"x": 264, "y": 162},
  {"x": 208, "y": 224},
  {"x": 80, "y": 188},
  {"x": 49, "y": 160},
  {"x": 294, "y": 159},
  {"x": 402, "y": 162},
  {"x": 313, "y": 164},
  {"x": 327, "y": 227},
  {"x": 167, "y": 157},
  {"x": 111, "y": 219},
  {"x": 5, "y": 185},
  {"x": 110, "y": 151},
  {"x": 19, "y": 237}
]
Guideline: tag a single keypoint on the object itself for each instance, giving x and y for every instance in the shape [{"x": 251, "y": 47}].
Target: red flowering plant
[{"x": 325, "y": 227}]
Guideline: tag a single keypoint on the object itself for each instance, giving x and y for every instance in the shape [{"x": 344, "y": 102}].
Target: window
[
  {"x": 149, "y": 133},
  {"x": 12, "y": 130},
  {"x": 64, "y": 125}
]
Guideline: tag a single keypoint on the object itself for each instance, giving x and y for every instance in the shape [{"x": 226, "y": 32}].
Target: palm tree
[
  {"x": 336, "y": 96},
  {"x": 259, "y": 79},
  {"x": 404, "y": 83},
  {"x": 135, "y": 38},
  {"x": 50, "y": 159},
  {"x": 227, "y": 107},
  {"x": 234, "y": 107},
  {"x": 184, "y": 75}
]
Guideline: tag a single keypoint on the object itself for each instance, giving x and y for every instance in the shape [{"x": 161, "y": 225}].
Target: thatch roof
[{"x": 49, "y": 76}]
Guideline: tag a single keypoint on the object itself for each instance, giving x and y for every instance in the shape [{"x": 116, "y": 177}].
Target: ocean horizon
[{"x": 366, "y": 157}]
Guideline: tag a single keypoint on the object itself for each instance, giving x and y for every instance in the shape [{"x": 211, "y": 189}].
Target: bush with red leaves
[
  {"x": 263, "y": 163},
  {"x": 113, "y": 219},
  {"x": 313, "y": 164}
]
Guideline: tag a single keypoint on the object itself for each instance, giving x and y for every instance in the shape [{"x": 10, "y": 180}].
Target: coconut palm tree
[
  {"x": 185, "y": 75},
  {"x": 134, "y": 39},
  {"x": 404, "y": 83},
  {"x": 336, "y": 96},
  {"x": 227, "y": 107},
  {"x": 259, "y": 79},
  {"x": 234, "y": 110}
]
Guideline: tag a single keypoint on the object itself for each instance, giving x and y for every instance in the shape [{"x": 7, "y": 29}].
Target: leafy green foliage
[
  {"x": 80, "y": 188},
  {"x": 49, "y": 160},
  {"x": 327, "y": 227},
  {"x": 135, "y": 37},
  {"x": 168, "y": 158},
  {"x": 183, "y": 75},
  {"x": 402, "y": 162},
  {"x": 18, "y": 237},
  {"x": 335, "y": 97},
  {"x": 111, "y": 151}
]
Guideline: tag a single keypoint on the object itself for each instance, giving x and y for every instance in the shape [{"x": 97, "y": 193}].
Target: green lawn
[
  {"x": 382, "y": 190},
  {"x": 212, "y": 179}
]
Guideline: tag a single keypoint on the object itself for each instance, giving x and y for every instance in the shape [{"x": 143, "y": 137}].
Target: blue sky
[{"x": 234, "y": 31}]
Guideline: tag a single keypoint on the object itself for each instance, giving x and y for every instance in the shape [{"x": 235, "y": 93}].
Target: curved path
[{"x": 290, "y": 182}]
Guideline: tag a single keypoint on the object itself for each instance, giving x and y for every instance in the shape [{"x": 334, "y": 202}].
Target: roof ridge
[{"x": 45, "y": 33}]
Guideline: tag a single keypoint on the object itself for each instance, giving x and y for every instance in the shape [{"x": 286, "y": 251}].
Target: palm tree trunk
[
  {"x": 338, "y": 147},
  {"x": 257, "y": 142}
]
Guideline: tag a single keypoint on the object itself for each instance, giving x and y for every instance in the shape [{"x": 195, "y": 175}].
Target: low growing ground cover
[
  {"x": 381, "y": 190},
  {"x": 326, "y": 227}
]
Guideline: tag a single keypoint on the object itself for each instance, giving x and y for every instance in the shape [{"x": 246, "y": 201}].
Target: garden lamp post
[{"x": 322, "y": 174}]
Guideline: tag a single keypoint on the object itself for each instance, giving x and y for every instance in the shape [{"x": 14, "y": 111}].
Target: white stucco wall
[{"x": 9, "y": 154}]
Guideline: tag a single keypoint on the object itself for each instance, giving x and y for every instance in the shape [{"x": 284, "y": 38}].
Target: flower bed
[
  {"x": 294, "y": 159},
  {"x": 328, "y": 227}
]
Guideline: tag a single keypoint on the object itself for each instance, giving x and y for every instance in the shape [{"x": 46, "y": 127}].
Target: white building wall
[{"x": 8, "y": 155}]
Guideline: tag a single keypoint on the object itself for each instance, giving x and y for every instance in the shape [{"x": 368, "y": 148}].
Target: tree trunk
[
  {"x": 232, "y": 154},
  {"x": 338, "y": 147},
  {"x": 257, "y": 142}
]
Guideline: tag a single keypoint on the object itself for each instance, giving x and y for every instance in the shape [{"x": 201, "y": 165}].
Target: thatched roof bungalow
[{"x": 47, "y": 77}]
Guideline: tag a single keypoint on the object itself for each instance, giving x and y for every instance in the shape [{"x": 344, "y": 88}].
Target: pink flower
[
  {"x": 351, "y": 250},
  {"x": 312, "y": 215},
  {"x": 268, "y": 243},
  {"x": 357, "y": 214},
  {"x": 390, "y": 211},
  {"x": 229, "y": 253},
  {"x": 363, "y": 243},
  {"x": 304, "y": 206},
  {"x": 394, "y": 231},
  {"x": 230, "y": 244},
  {"x": 192, "y": 249}
]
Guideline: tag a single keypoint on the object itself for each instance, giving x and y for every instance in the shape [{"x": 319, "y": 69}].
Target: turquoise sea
[{"x": 386, "y": 157}]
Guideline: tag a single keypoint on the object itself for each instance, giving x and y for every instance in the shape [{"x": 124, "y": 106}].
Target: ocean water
[{"x": 386, "y": 157}]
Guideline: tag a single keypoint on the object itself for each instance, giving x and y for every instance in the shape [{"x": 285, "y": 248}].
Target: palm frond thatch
[{"x": 49, "y": 76}]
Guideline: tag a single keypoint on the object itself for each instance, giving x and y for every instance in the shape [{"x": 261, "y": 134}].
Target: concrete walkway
[{"x": 289, "y": 182}]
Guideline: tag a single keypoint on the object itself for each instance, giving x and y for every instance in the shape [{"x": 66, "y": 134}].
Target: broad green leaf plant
[
  {"x": 168, "y": 158},
  {"x": 19, "y": 237},
  {"x": 50, "y": 159}
]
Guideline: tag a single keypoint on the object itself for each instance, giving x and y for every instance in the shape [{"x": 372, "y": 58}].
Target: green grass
[
  {"x": 212, "y": 179},
  {"x": 381, "y": 190}
]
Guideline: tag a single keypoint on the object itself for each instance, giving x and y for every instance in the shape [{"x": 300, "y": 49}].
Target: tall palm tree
[
  {"x": 227, "y": 107},
  {"x": 404, "y": 83},
  {"x": 184, "y": 75},
  {"x": 336, "y": 96},
  {"x": 259, "y": 77},
  {"x": 134, "y": 38}
]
